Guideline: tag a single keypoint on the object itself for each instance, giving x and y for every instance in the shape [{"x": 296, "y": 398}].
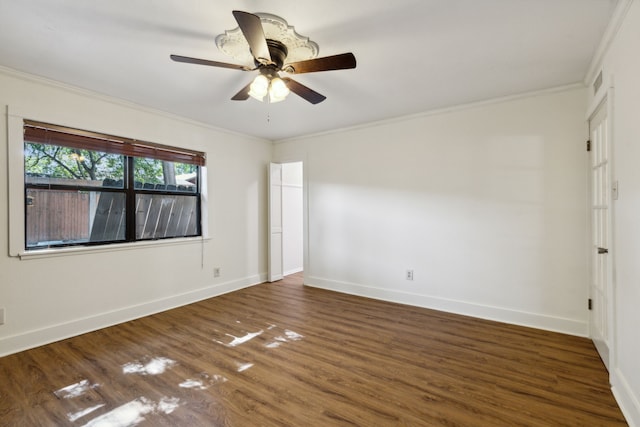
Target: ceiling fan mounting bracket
[{"x": 278, "y": 52}]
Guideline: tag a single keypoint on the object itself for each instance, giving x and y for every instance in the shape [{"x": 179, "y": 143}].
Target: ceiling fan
[{"x": 269, "y": 58}]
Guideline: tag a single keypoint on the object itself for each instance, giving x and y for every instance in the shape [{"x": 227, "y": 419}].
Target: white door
[
  {"x": 275, "y": 222},
  {"x": 600, "y": 288}
]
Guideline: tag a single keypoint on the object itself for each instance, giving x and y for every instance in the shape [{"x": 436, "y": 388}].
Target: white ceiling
[{"x": 413, "y": 55}]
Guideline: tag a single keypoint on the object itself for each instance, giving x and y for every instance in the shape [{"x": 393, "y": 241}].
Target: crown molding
[
  {"x": 445, "y": 110},
  {"x": 619, "y": 14},
  {"x": 32, "y": 78}
]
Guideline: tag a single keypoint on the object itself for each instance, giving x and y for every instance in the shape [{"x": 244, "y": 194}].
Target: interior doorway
[
  {"x": 286, "y": 219},
  {"x": 292, "y": 218}
]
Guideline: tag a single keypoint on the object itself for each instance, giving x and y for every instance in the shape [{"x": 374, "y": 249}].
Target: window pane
[
  {"x": 154, "y": 174},
  {"x": 64, "y": 217},
  {"x": 81, "y": 188},
  {"x": 52, "y": 164},
  {"x": 159, "y": 216}
]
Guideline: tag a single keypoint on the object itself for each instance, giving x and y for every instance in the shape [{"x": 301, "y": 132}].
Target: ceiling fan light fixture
[
  {"x": 259, "y": 88},
  {"x": 278, "y": 90}
]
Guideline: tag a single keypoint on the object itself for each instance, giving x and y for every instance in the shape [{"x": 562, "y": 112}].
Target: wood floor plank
[{"x": 283, "y": 354}]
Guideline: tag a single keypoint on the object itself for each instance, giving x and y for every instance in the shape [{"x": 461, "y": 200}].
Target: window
[{"x": 83, "y": 188}]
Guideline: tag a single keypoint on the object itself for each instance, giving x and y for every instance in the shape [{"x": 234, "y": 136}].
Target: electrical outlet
[
  {"x": 409, "y": 275},
  {"x": 2, "y": 316},
  {"x": 216, "y": 272}
]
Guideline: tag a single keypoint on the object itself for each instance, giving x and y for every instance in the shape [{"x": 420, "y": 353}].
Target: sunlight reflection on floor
[
  {"x": 240, "y": 340},
  {"x": 132, "y": 413},
  {"x": 84, "y": 401},
  {"x": 75, "y": 390},
  {"x": 203, "y": 384},
  {"x": 155, "y": 366}
]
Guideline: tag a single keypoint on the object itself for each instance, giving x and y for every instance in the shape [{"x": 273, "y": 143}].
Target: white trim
[
  {"x": 111, "y": 247},
  {"x": 447, "y": 110},
  {"x": 628, "y": 403},
  {"x": 127, "y": 104},
  {"x": 533, "y": 320},
  {"x": 15, "y": 179},
  {"x": 118, "y": 101},
  {"x": 35, "y": 338},
  {"x": 204, "y": 204},
  {"x": 613, "y": 309},
  {"x": 617, "y": 18},
  {"x": 597, "y": 100}
]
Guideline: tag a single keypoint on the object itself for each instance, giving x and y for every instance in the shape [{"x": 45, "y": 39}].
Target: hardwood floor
[{"x": 283, "y": 354}]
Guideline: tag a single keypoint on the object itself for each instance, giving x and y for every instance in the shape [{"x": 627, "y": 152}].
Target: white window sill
[{"x": 114, "y": 247}]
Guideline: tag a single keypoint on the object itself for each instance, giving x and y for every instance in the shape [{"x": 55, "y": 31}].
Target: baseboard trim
[
  {"x": 533, "y": 320},
  {"x": 629, "y": 403},
  {"x": 36, "y": 338},
  {"x": 294, "y": 271}
]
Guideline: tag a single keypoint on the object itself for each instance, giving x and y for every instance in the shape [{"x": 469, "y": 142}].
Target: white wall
[
  {"x": 621, "y": 70},
  {"x": 53, "y": 297},
  {"x": 292, "y": 227},
  {"x": 486, "y": 204}
]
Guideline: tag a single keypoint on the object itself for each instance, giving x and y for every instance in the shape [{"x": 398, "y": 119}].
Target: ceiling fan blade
[
  {"x": 336, "y": 62},
  {"x": 251, "y": 27},
  {"x": 243, "y": 95},
  {"x": 189, "y": 60},
  {"x": 301, "y": 90}
]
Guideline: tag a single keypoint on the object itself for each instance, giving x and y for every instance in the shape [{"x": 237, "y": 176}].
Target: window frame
[{"x": 130, "y": 149}]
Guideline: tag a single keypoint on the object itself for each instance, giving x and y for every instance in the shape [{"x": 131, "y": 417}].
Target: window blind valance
[{"x": 44, "y": 133}]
